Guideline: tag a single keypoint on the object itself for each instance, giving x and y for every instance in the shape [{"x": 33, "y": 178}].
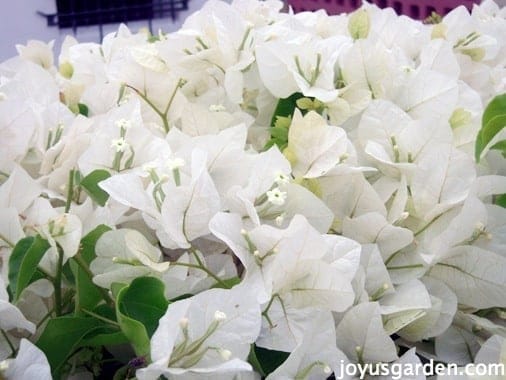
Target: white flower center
[
  {"x": 276, "y": 196},
  {"x": 175, "y": 163},
  {"x": 124, "y": 124},
  {"x": 217, "y": 108},
  {"x": 120, "y": 145}
]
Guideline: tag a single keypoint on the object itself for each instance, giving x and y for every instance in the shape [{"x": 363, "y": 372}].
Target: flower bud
[{"x": 219, "y": 316}]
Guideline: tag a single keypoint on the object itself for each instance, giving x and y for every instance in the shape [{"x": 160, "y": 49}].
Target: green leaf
[
  {"x": 104, "y": 339},
  {"x": 62, "y": 336},
  {"x": 268, "y": 360},
  {"x": 23, "y": 262},
  {"x": 500, "y": 200},
  {"x": 492, "y": 122},
  {"x": 90, "y": 185},
  {"x": 285, "y": 107},
  {"x": 83, "y": 109},
  {"x": 139, "y": 307},
  {"x": 88, "y": 295}
]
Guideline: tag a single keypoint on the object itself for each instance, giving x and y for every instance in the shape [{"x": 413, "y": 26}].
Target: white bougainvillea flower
[
  {"x": 408, "y": 360},
  {"x": 19, "y": 190},
  {"x": 123, "y": 255},
  {"x": 180, "y": 279},
  {"x": 37, "y": 52},
  {"x": 368, "y": 66},
  {"x": 374, "y": 228},
  {"x": 292, "y": 271},
  {"x": 30, "y": 363},
  {"x": 456, "y": 345},
  {"x": 493, "y": 351},
  {"x": 361, "y": 336},
  {"x": 466, "y": 265},
  {"x": 316, "y": 356},
  {"x": 117, "y": 148},
  {"x": 314, "y": 147},
  {"x": 186, "y": 212},
  {"x": 210, "y": 333},
  {"x": 11, "y": 317},
  {"x": 438, "y": 318},
  {"x": 349, "y": 195},
  {"x": 300, "y": 64}
]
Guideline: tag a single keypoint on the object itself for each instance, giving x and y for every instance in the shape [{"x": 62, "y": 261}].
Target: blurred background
[{"x": 90, "y": 20}]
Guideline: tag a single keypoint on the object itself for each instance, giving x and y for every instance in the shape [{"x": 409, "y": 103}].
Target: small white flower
[
  {"x": 282, "y": 179},
  {"x": 279, "y": 220},
  {"x": 123, "y": 124},
  {"x": 219, "y": 316},
  {"x": 175, "y": 163},
  {"x": 327, "y": 370},
  {"x": 224, "y": 353},
  {"x": 276, "y": 196},
  {"x": 148, "y": 167},
  {"x": 217, "y": 108},
  {"x": 120, "y": 145}
]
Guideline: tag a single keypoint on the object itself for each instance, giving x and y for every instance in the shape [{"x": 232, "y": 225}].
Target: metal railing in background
[{"x": 77, "y": 13}]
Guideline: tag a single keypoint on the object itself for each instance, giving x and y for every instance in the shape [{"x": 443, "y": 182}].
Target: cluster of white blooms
[{"x": 302, "y": 185}]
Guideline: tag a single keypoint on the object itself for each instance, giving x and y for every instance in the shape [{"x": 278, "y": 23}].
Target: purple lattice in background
[{"x": 417, "y": 9}]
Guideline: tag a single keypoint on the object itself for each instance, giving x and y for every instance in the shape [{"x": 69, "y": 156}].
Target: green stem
[
  {"x": 57, "y": 284},
  {"x": 203, "y": 268},
  {"x": 9, "y": 243},
  {"x": 11, "y": 346},
  {"x": 391, "y": 257},
  {"x": 98, "y": 316},
  {"x": 70, "y": 191},
  {"x": 152, "y": 105},
  {"x": 406, "y": 267}
]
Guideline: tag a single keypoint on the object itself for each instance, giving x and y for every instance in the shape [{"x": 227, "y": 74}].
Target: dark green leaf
[
  {"x": 90, "y": 185},
  {"x": 83, "y": 109},
  {"x": 88, "y": 295},
  {"x": 104, "y": 339},
  {"x": 253, "y": 360},
  {"x": 23, "y": 263},
  {"x": 62, "y": 336},
  {"x": 139, "y": 307},
  {"x": 285, "y": 107},
  {"x": 492, "y": 122},
  {"x": 269, "y": 360},
  {"x": 500, "y": 200},
  {"x": 181, "y": 297}
]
